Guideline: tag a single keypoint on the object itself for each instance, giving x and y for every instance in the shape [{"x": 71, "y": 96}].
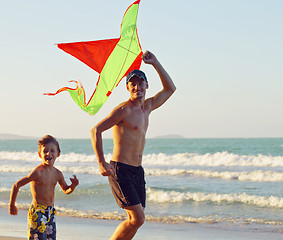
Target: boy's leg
[
  {"x": 51, "y": 225},
  {"x": 36, "y": 225},
  {"x": 128, "y": 228}
]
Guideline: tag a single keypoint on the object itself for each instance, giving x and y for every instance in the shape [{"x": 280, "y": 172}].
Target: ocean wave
[
  {"x": 161, "y": 196},
  {"x": 33, "y": 157},
  {"x": 254, "y": 176},
  {"x": 92, "y": 170},
  {"x": 4, "y": 190},
  {"x": 170, "y": 219},
  {"x": 180, "y": 159},
  {"x": 216, "y": 159},
  {"x": 171, "y": 197},
  {"x": 16, "y": 169},
  {"x": 19, "y": 156}
]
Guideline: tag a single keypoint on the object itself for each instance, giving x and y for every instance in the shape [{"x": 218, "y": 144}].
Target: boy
[{"x": 43, "y": 179}]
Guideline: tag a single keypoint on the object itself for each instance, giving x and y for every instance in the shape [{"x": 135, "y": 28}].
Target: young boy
[{"x": 43, "y": 179}]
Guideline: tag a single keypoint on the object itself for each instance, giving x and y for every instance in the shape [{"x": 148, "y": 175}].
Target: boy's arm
[
  {"x": 13, "y": 210},
  {"x": 168, "y": 85},
  {"x": 67, "y": 189},
  {"x": 114, "y": 118}
]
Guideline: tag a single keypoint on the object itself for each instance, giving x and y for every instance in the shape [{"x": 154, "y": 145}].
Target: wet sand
[{"x": 70, "y": 228}]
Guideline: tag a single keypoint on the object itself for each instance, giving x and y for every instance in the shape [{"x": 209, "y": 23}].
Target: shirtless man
[{"x": 129, "y": 121}]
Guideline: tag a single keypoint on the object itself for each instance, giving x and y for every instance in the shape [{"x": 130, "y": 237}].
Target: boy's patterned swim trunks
[{"x": 41, "y": 222}]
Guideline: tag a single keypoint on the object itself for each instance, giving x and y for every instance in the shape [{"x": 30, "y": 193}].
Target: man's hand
[
  {"x": 13, "y": 210},
  {"x": 149, "y": 58},
  {"x": 106, "y": 169}
]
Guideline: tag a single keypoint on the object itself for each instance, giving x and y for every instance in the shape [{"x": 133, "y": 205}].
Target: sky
[{"x": 225, "y": 58}]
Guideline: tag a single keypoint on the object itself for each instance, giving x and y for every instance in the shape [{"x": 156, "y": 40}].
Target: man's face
[
  {"x": 137, "y": 87},
  {"x": 48, "y": 154}
]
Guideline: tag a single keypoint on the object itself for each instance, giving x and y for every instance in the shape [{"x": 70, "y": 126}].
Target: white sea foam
[
  {"x": 71, "y": 169},
  {"x": 16, "y": 169},
  {"x": 216, "y": 159},
  {"x": 3, "y": 189},
  {"x": 181, "y": 159},
  {"x": 92, "y": 169},
  {"x": 173, "y": 219},
  {"x": 181, "y": 163},
  {"x": 33, "y": 157},
  {"x": 19, "y": 156},
  {"x": 254, "y": 176},
  {"x": 173, "y": 196}
]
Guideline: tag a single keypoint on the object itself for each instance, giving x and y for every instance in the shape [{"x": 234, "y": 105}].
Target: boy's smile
[{"x": 48, "y": 154}]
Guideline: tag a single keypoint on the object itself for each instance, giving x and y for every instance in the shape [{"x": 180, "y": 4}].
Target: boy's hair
[{"x": 45, "y": 140}]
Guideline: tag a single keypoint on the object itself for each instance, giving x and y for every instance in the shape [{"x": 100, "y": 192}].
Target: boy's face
[{"x": 48, "y": 154}]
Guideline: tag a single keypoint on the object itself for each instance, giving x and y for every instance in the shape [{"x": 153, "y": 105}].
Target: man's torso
[{"x": 129, "y": 135}]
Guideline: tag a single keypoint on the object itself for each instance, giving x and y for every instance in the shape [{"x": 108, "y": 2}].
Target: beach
[
  {"x": 71, "y": 228},
  {"x": 196, "y": 189}
]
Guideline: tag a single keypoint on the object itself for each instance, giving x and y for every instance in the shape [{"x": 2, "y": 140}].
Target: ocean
[{"x": 225, "y": 183}]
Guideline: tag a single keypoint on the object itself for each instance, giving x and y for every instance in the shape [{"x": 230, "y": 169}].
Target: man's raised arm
[{"x": 168, "y": 85}]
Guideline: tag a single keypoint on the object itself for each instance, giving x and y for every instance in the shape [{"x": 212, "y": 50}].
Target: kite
[{"x": 113, "y": 59}]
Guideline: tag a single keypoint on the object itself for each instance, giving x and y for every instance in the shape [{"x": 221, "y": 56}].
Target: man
[{"x": 129, "y": 121}]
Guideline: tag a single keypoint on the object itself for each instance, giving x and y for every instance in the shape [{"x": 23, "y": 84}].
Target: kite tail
[
  {"x": 64, "y": 89},
  {"x": 78, "y": 95}
]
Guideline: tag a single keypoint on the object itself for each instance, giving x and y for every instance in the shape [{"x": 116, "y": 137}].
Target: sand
[
  {"x": 10, "y": 238},
  {"x": 69, "y": 228}
]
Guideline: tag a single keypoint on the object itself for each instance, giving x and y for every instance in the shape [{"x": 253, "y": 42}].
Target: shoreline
[
  {"x": 10, "y": 238},
  {"x": 71, "y": 228}
]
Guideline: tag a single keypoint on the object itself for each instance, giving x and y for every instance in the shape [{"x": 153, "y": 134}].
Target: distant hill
[
  {"x": 170, "y": 136},
  {"x": 7, "y": 136}
]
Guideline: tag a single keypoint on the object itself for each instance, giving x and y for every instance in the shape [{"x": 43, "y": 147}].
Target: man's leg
[{"x": 127, "y": 229}]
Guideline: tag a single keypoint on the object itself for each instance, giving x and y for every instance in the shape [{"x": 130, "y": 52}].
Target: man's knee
[
  {"x": 136, "y": 215},
  {"x": 136, "y": 218},
  {"x": 138, "y": 221}
]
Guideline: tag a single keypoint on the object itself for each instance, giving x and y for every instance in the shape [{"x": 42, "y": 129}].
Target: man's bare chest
[{"x": 137, "y": 121}]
